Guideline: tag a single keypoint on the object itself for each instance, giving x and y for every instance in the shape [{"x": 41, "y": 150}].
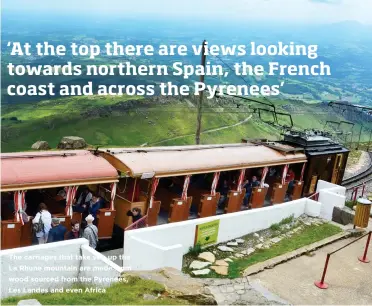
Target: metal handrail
[{"x": 321, "y": 284}]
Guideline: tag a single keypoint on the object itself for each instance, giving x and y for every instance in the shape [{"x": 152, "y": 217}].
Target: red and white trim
[
  {"x": 303, "y": 172},
  {"x": 185, "y": 187},
  {"x": 113, "y": 194},
  {"x": 263, "y": 176},
  {"x": 19, "y": 204},
  {"x": 284, "y": 174},
  {"x": 216, "y": 177},
  {"x": 154, "y": 186},
  {"x": 70, "y": 196},
  {"x": 240, "y": 181}
]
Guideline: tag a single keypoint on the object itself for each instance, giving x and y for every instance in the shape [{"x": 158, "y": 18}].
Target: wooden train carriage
[
  {"x": 326, "y": 159},
  {"x": 151, "y": 167},
  {"x": 32, "y": 177}
]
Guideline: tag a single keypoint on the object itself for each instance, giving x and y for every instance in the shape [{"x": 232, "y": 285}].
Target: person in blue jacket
[
  {"x": 95, "y": 205},
  {"x": 58, "y": 231}
]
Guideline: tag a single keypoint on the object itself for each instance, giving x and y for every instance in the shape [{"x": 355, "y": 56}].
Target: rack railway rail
[{"x": 363, "y": 177}]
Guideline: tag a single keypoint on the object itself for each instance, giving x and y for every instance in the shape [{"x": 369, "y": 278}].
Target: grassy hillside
[{"x": 128, "y": 121}]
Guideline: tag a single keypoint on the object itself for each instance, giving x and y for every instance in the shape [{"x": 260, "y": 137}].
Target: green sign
[{"x": 207, "y": 233}]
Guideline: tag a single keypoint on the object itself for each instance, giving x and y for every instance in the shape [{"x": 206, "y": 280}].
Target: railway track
[{"x": 362, "y": 177}]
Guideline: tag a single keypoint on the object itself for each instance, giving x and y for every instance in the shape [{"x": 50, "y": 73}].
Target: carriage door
[{"x": 336, "y": 168}]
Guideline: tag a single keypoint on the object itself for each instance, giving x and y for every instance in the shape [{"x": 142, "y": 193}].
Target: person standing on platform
[
  {"x": 91, "y": 232},
  {"x": 42, "y": 224},
  {"x": 58, "y": 231}
]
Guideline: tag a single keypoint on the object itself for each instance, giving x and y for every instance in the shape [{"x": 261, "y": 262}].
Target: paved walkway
[
  {"x": 350, "y": 281},
  {"x": 240, "y": 291}
]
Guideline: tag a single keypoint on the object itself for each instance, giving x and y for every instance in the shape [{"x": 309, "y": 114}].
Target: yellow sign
[{"x": 207, "y": 233}]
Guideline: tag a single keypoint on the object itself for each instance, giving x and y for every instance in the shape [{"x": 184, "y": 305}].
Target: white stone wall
[
  {"x": 98, "y": 268},
  {"x": 168, "y": 243},
  {"x": 330, "y": 195}
]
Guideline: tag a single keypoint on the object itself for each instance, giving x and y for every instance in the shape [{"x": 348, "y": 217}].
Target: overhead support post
[{"x": 200, "y": 102}]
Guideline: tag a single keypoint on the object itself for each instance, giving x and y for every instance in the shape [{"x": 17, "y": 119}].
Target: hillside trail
[{"x": 204, "y": 132}]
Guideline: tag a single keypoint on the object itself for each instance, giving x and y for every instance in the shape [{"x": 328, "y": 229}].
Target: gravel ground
[{"x": 363, "y": 164}]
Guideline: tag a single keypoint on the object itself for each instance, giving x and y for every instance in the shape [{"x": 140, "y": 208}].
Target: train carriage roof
[
  {"x": 47, "y": 169},
  {"x": 182, "y": 160}
]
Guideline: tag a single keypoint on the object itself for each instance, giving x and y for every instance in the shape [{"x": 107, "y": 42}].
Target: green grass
[
  {"x": 130, "y": 293},
  {"x": 350, "y": 204},
  {"x": 276, "y": 226},
  {"x": 309, "y": 235},
  {"x": 287, "y": 220}
]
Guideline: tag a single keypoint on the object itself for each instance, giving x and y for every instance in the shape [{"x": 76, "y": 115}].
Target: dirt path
[
  {"x": 349, "y": 280},
  {"x": 206, "y": 131}
]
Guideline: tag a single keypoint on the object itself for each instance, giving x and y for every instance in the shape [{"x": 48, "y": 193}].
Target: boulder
[
  {"x": 239, "y": 240},
  {"x": 221, "y": 270},
  {"x": 250, "y": 251},
  {"x": 232, "y": 243},
  {"x": 275, "y": 239},
  {"x": 28, "y": 302},
  {"x": 40, "y": 145},
  {"x": 225, "y": 248},
  {"x": 201, "y": 272},
  {"x": 149, "y": 297},
  {"x": 228, "y": 260},
  {"x": 207, "y": 256},
  {"x": 221, "y": 263},
  {"x": 259, "y": 246},
  {"x": 256, "y": 235},
  {"x": 72, "y": 142},
  {"x": 343, "y": 215},
  {"x": 197, "y": 265}
]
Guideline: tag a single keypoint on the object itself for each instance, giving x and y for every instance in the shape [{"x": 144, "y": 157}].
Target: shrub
[
  {"x": 195, "y": 250},
  {"x": 287, "y": 220},
  {"x": 275, "y": 227},
  {"x": 350, "y": 204}
]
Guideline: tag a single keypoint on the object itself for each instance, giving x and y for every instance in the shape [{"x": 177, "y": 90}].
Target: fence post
[
  {"x": 321, "y": 284},
  {"x": 356, "y": 193},
  {"x": 364, "y": 187},
  {"x": 364, "y": 257}
]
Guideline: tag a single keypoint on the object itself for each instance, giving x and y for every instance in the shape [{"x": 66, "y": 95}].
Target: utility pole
[
  {"x": 351, "y": 139},
  {"x": 360, "y": 134},
  {"x": 369, "y": 141},
  {"x": 200, "y": 102}
]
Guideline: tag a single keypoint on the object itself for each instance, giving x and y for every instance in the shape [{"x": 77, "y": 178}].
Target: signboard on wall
[{"x": 207, "y": 233}]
